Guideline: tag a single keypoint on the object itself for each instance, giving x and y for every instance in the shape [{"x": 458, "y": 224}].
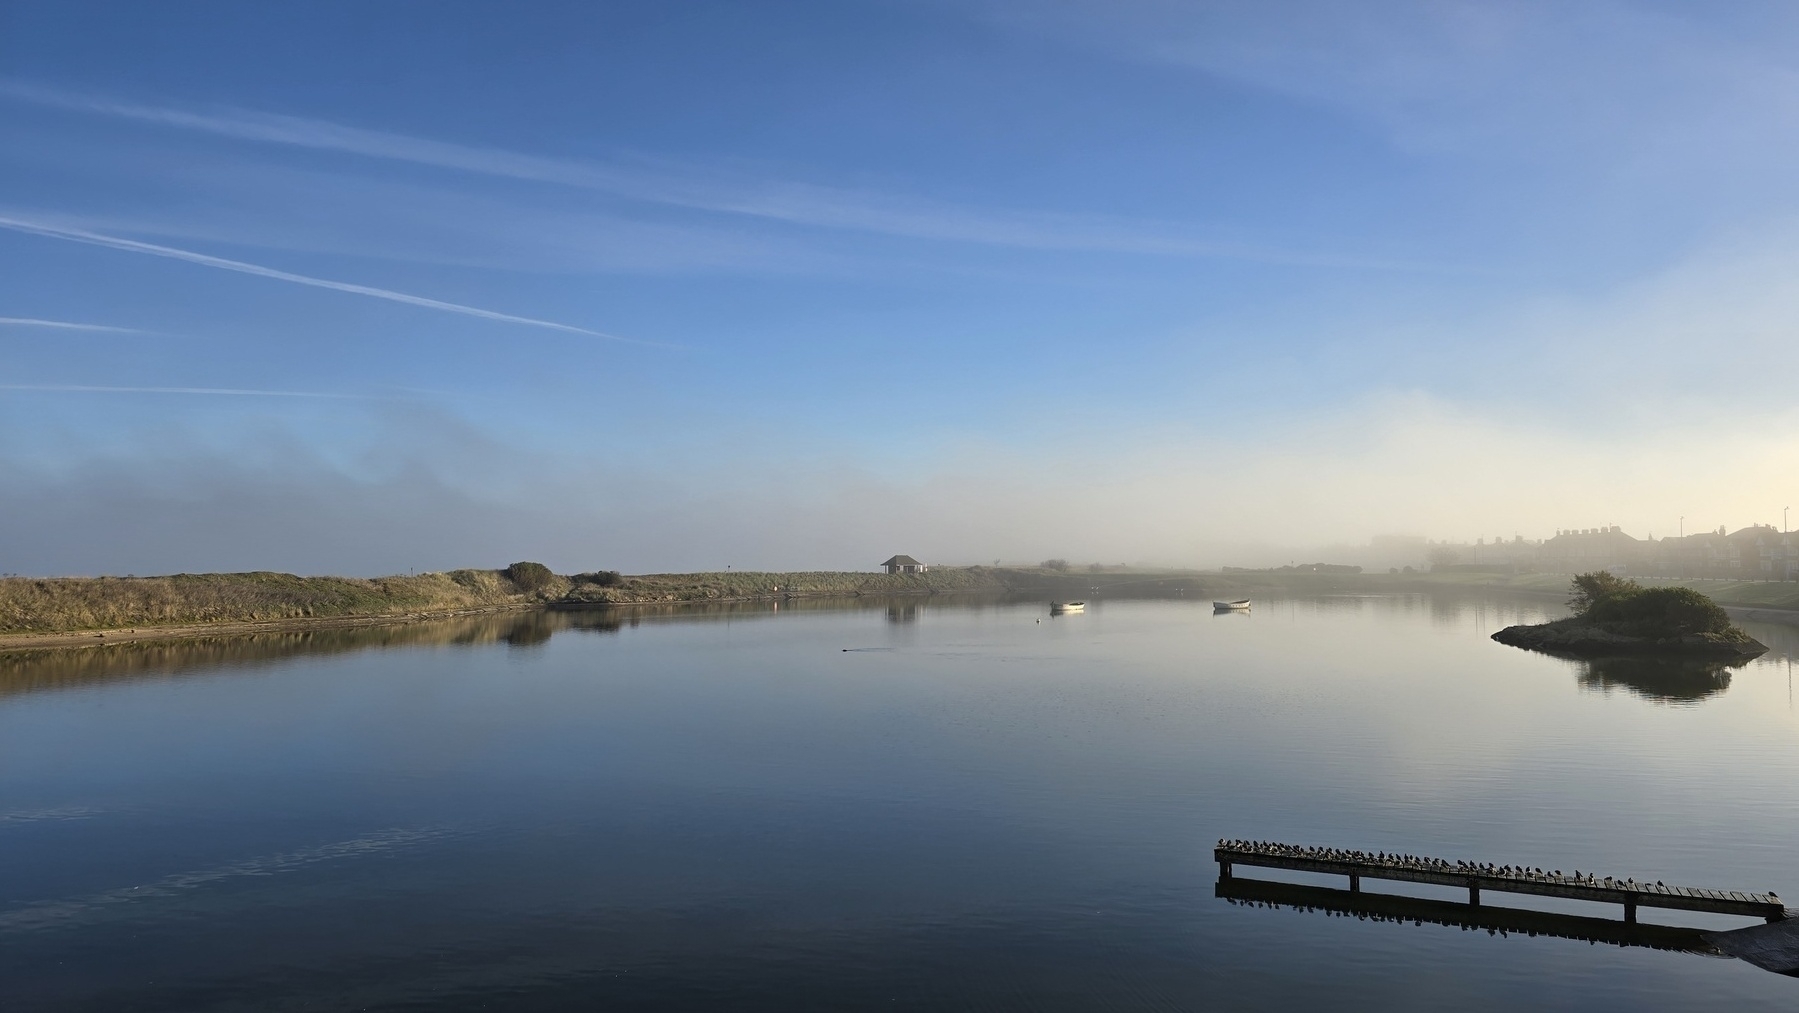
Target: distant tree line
[
  {"x": 1062, "y": 566},
  {"x": 1300, "y": 568}
]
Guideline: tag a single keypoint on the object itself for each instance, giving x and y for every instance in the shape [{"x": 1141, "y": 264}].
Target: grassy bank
[
  {"x": 108, "y": 603},
  {"x": 77, "y": 604}
]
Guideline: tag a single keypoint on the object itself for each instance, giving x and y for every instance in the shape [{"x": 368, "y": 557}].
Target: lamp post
[{"x": 1683, "y": 548}]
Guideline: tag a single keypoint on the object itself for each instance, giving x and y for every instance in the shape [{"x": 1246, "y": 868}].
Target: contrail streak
[
  {"x": 80, "y": 388},
  {"x": 64, "y": 325},
  {"x": 678, "y": 185},
  {"x": 206, "y": 260}
]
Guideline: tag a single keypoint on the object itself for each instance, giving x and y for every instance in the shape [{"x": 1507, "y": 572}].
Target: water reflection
[
  {"x": 1663, "y": 680},
  {"x": 1498, "y": 921},
  {"x": 55, "y": 668}
]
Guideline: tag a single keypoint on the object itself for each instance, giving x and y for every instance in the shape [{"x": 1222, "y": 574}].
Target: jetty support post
[
  {"x": 1355, "y": 883},
  {"x": 1473, "y": 895},
  {"x": 1224, "y": 870},
  {"x": 1630, "y": 910}
]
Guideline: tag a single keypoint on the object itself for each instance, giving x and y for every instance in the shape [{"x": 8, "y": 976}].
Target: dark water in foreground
[{"x": 971, "y": 809}]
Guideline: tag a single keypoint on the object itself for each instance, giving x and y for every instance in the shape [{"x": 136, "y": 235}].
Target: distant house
[
  {"x": 903, "y": 564},
  {"x": 1583, "y": 550}
]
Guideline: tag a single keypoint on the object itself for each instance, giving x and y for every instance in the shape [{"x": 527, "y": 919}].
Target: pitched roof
[{"x": 902, "y": 561}]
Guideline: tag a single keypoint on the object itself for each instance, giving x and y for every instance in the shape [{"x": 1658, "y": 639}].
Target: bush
[
  {"x": 1678, "y": 611},
  {"x": 1058, "y": 565},
  {"x": 530, "y": 577},
  {"x": 599, "y": 578},
  {"x": 1594, "y": 589}
]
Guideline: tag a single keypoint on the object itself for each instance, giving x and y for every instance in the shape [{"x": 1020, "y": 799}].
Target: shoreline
[
  {"x": 694, "y": 589},
  {"x": 75, "y": 639}
]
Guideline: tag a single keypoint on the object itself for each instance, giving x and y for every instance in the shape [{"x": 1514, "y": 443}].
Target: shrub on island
[{"x": 1617, "y": 615}]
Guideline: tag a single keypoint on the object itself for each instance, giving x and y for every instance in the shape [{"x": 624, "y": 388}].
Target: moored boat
[
  {"x": 1064, "y": 607},
  {"x": 1240, "y": 605}
]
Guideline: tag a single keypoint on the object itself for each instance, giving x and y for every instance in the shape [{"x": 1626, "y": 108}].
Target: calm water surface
[{"x": 974, "y": 806}]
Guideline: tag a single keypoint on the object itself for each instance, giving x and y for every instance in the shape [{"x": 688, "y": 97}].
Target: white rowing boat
[
  {"x": 1064, "y": 607},
  {"x": 1240, "y": 605}
]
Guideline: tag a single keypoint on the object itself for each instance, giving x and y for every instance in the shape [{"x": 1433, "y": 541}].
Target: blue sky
[{"x": 366, "y": 287}]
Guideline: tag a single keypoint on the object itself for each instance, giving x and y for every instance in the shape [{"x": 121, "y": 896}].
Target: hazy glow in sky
[{"x": 361, "y": 287}]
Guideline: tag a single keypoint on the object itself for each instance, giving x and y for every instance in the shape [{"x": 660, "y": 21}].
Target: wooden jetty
[{"x": 1476, "y": 877}]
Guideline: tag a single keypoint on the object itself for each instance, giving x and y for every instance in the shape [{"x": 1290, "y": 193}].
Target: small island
[{"x": 1614, "y": 616}]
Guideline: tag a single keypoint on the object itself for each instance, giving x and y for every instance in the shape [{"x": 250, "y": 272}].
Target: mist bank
[{"x": 1294, "y": 487}]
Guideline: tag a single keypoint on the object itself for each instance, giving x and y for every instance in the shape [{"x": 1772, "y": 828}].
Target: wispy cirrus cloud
[
  {"x": 206, "y": 260},
  {"x": 1611, "y": 82},
  {"x": 65, "y": 325},
  {"x": 683, "y": 185},
  {"x": 348, "y": 210}
]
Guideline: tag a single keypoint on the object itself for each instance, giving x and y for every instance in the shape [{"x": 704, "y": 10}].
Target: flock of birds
[{"x": 1422, "y": 864}]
